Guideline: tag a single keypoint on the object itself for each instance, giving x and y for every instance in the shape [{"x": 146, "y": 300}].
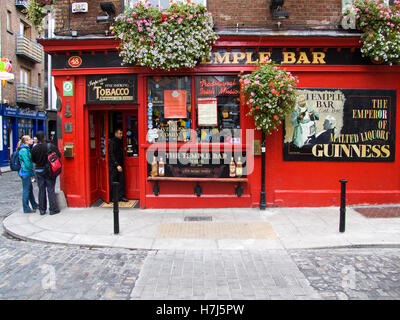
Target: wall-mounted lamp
[
  {"x": 276, "y": 9},
  {"x": 109, "y": 10}
]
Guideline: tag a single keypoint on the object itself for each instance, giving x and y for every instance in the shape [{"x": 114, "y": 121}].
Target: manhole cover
[{"x": 198, "y": 218}]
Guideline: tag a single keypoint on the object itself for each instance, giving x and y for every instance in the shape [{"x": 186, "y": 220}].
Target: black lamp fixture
[
  {"x": 109, "y": 10},
  {"x": 276, "y": 9}
]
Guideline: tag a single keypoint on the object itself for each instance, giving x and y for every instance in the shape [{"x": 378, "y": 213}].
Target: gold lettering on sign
[
  {"x": 221, "y": 60},
  {"x": 288, "y": 57},
  {"x": 238, "y": 56}
]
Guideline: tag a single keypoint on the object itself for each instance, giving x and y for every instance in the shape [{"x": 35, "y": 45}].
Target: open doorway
[{"x": 102, "y": 127}]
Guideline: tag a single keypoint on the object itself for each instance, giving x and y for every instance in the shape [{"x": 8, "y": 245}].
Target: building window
[
  {"x": 218, "y": 108},
  {"x": 161, "y": 3},
  {"x": 25, "y": 29},
  {"x": 25, "y": 127},
  {"x": 9, "y": 21},
  {"x": 213, "y": 117},
  {"x": 169, "y": 109},
  {"x": 24, "y": 76}
]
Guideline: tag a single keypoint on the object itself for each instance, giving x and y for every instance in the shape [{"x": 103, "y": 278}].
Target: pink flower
[
  {"x": 180, "y": 20},
  {"x": 256, "y": 82},
  {"x": 252, "y": 94},
  {"x": 251, "y": 101}
]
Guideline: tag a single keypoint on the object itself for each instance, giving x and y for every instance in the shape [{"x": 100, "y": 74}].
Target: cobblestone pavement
[
  {"x": 362, "y": 273},
  {"x": 31, "y": 270}
]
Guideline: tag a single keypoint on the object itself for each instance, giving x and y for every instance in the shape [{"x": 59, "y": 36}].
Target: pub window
[
  {"x": 218, "y": 108},
  {"x": 169, "y": 109},
  {"x": 132, "y": 144}
]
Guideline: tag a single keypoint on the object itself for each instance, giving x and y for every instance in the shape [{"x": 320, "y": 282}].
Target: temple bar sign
[
  {"x": 304, "y": 56},
  {"x": 234, "y": 56}
]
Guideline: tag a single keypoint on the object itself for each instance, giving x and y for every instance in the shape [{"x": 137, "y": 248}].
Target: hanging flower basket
[
  {"x": 381, "y": 26},
  {"x": 270, "y": 94},
  {"x": 173, "y": 38}
]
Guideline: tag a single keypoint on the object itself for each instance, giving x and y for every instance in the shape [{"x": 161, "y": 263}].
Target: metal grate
[{"x": 198, "y": 218}]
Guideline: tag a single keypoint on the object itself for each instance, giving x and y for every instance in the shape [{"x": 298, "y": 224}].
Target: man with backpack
[{"x": 46, "y": 180}]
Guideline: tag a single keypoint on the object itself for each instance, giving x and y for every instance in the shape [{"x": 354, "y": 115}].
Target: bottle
[
  {"x": 239, "y": 168},
  {"x": 154, "y": 167},
  {"x": 232, "y": 169},
  {"x": 161, "y": 171}
]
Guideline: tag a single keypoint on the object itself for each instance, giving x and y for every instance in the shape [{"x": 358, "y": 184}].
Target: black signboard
[
  {"x": 341, "y": 125},
  {"x": 199, "y": 164},
  {"x": 228, "y": 56},
  {"x": 111, "y": 89}
]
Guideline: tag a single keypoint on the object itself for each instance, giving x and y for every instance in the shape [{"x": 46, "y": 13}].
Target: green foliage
[{"x": 36, "y": 13}]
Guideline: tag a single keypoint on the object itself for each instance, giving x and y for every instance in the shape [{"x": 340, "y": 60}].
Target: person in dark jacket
[
  {"x": 45, "y": 182},
  {"x": 25, "y": 173},
  {"x": 116, "y": 164}
]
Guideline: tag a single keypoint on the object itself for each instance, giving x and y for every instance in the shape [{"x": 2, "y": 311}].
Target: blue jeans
[
  {"x": 27, "y": 194},
  {"x": 46, "y": 183}
]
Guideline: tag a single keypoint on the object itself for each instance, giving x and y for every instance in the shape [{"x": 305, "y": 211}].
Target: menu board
[
  {"x": 207, "y": 112},
  {"x": 174, "y": 104}
]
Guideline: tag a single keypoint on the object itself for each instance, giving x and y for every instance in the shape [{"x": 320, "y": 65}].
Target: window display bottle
[
  {"x": 239, "y": 168},
  {"x": 161, "y": 170},
  {"x": 154, "y": 167},
  {"x": 232, "y": 168}
]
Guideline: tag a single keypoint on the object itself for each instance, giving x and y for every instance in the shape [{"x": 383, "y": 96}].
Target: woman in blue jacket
[{"x": 26, "y": 172}]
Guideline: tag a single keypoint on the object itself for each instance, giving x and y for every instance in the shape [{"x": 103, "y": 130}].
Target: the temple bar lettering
[{"x": 341, "y": 125}]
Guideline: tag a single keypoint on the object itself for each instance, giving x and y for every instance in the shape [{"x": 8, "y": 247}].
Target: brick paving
[{"x": 221, "y": 275}]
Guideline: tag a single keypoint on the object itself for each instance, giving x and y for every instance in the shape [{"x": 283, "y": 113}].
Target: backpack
[
  {"x": 15, "y": 165},
  {"x": 55, "y": 165}
]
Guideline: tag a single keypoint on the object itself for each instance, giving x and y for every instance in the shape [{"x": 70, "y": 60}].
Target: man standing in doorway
[{"x": 116, "y": 164}]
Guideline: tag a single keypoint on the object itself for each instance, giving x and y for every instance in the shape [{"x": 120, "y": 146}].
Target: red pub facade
[
  {"x": 188, "y": 140},
  {"x": 96, "y": 94}
]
